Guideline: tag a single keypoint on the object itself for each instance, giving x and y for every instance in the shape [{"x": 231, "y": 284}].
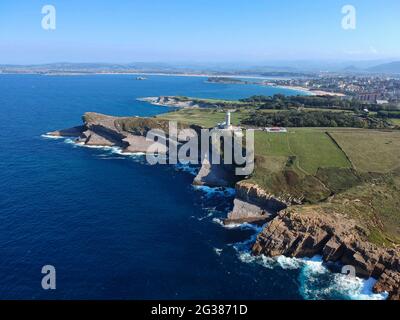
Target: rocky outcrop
[
  {"x": 123, "y": 132},
  {"x": 253, "y": 204},
  {"x": 177, "y": 102},
  {"x": 169, "y": 102},
  {"x": 215, "y": 175},
  {"x": 293, "y": 230},
  {"x": 71, "y": 132},
  {"x": 253, "y": 193},
  {"x": 309, "y": 231},
  {"x": 129, "y": 134}
]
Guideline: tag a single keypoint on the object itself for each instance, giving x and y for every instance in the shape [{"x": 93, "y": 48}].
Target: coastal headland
[{"x": 318, "y": 196}]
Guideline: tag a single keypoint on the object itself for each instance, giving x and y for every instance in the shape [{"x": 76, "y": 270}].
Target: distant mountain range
[
  {"x": 277, "y": 68},
  {"x": 390, "y": 68}
]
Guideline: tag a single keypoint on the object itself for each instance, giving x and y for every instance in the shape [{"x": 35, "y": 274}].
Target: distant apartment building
[{"x": 371, "y": 97}]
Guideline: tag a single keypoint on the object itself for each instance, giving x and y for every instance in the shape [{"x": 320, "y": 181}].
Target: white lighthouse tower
[{"x": 228, "y": 120}]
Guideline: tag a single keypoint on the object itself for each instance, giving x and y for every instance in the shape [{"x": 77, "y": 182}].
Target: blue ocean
[{"x": 115, "y": 227}]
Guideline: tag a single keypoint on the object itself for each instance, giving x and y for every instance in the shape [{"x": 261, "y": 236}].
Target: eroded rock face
[
  {"x": 305, "y": 232},
  {"x": 246, "y": 212},
  {"x": 252, "y": 193},
  {"x": 389, "y": 282},
  {"x": 104, "y": 130},
  {"x": 252, "y": 203},
  {"x": 215, "y": 175},
  {"x": 70, "y": 132},
  {"x": 130, "y": 135}
]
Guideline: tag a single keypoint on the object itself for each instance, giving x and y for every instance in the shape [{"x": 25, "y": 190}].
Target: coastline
[
  {"x": 199, "y": 75},
  {"x": 202, "y": 75},
  {"x": 360, "y": 288},
  {"x": 312, "y": 92},
  {"x": 295, "y": 230}
]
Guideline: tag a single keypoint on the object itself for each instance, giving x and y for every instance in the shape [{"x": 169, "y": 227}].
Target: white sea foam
[
  {"x": 339, "y": 285},
  {"x": 107, "y": 157},
  {"x": 210, "y": 192},
  {"x": 245, "y": 225},
  {"x": 49, "y": 136},
  {"x": 111, "y": 149},
  {"x": 219, "y": 221},
  {"x": 210, "y": 214},
  {"x": 71, "y": 141},
  {"x": 262, "y": 260},
  {"x": 316, "y": 281},
  {"x": 119, "y": 151},
  {"x": 288, "y": 263},
  {"x": 187, "y": 168},
  {"x": 218, "y": 251}
]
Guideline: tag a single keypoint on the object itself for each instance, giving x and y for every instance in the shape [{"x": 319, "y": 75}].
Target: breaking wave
[
  {"x": 187, "y": 168},
  {"x": 48, "y": 136},
  {"x": 317, "y": 282},
  {"x": 210, "y": 192},
  {"x": 112, "y": 150}
]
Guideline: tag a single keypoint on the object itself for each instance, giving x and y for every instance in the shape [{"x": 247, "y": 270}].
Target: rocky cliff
[
  {"x": 128, "y": 133},
  {"x": 215, "y": 175},
  {"x": 294, "y": 229},
  {"x": 306, "y": 231},
  {"x": 253, "y": 204}
]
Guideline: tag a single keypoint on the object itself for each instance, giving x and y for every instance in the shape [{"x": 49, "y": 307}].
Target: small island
[{"x": 228, "y": 80}]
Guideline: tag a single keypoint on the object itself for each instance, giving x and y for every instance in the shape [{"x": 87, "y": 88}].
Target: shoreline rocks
[
  {"x": 293, "y": 230},
  {"x": 108, "y": 131},
  {"x": 215, "y": 175},
  {"x": 252, "y": 203},
  {"x": 307, "y": 231},
  {"x": 70, "y": 132}
]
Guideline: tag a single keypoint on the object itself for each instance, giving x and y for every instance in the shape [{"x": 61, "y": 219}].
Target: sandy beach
[{"x": 313, "y": 92}]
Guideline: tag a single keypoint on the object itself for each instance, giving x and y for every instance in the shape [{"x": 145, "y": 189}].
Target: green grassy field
[
  {"x": 370, "y": 150},
  {"x": 371, "y": 199},
  {"x": 203, "y": 117},
  {"x": 374, "y": 203},
  {"x": 210, "y": 117},
  {"x": 314, "y": 163},
  {"x": 395, "y": 122},
  {"x": 313, "y": 149}
]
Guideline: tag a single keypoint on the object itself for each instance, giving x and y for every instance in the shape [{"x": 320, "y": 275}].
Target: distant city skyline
[{"x": 177, "y": 31}]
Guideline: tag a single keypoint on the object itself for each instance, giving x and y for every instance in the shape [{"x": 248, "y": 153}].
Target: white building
[
  {"x": 276, "y": 130},
  {"x": 227, "y": 124}
]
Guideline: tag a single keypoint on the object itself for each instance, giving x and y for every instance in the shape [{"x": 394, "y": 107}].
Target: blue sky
[{"x": 198, "y": 31}]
